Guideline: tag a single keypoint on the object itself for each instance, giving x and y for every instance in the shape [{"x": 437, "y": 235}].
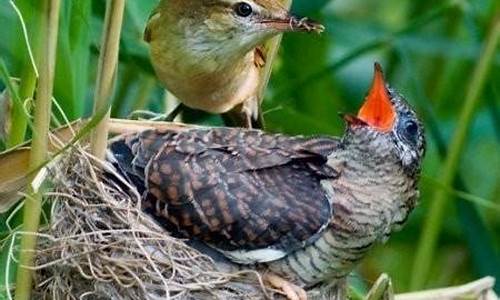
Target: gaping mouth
[
  {"x": 378, "y": 110},
  {"x": 293, "y": 23}
]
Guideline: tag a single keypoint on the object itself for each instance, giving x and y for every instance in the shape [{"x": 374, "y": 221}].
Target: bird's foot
[{"x": 290, "y": 290}]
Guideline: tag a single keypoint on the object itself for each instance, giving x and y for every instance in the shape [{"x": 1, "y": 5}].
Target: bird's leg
[
  {"x": 291, "y": 291},
  {"x": 237, "y": 117},
  {"x": 252, "y": 110},
  {"x": 246, "y": 115},
  {"x": 177, "y": 110}
]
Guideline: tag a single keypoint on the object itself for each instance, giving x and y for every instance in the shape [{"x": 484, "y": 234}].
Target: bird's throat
[{"x": 207, "y": 81}]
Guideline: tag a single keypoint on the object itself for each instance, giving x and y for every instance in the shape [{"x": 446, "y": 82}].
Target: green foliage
[{"x": 428, "y": 49}]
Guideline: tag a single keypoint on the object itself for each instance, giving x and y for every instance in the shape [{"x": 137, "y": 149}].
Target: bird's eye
[
  {"x": 411, "y": 128},
  {"x": 243, "y": 9}
]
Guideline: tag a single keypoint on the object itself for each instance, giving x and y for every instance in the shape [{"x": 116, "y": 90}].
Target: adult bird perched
[
  {"x": 304, "y": 209},
  {"x": 209, "y": 54}
]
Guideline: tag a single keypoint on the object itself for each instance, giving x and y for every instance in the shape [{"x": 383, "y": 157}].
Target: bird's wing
[
  {"x": 153, "y": 20},
  {"x": 253, "y": 196}
]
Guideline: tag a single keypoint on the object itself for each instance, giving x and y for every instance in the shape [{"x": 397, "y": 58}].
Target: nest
[{"x": 100, "y": 245}]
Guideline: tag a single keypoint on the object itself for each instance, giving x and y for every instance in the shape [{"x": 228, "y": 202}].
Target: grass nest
[{"x": 100, "y": 245}]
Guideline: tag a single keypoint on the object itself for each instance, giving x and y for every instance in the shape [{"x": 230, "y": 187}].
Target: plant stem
[
  {"x": 18, "y": 117},
  {"x": 28, "y": 16},
  {"x": 432, "y": 225},
  {"x": 108, "y": 60},
  {"x": 17, "y": 108},
  {"x": 33, "y": 205}
]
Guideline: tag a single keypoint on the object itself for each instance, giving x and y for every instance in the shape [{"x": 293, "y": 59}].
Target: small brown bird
[
  {"x": 302, "y": 210},
  {"x": 209, "y": 54}
]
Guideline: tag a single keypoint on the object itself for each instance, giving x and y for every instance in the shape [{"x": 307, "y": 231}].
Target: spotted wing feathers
[{"x": 234, "y": 189}]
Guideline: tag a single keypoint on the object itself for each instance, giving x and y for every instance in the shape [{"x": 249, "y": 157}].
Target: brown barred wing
[
  {"x": 131, "y": 153},
  {"x": 238, "y": 190}
]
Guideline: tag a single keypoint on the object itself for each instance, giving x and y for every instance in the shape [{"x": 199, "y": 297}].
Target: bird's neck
[
  {"x": 374, "y": 192},
  {"x": 204, "y": 76}
]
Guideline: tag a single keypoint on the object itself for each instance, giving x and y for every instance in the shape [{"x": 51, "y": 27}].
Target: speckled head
[{"x": 386, "y": 119}]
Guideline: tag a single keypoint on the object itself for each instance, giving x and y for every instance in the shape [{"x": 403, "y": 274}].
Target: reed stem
[
  {"x": 108, "y": 62},
  {"x": 433, "y": 222},
  {"x": 33, "y": 205},
  {"x": 28, "y": 16}
]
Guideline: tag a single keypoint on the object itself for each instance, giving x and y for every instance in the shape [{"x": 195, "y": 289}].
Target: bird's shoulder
[{"x": 251, "y": 149}]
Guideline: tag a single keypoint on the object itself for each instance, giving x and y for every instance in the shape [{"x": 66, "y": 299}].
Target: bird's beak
[
  {"x": 293, "y": 23},
  {"x": 378, "y": 110}
]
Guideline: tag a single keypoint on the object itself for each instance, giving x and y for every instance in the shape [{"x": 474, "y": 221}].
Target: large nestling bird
[
  {"x": 209, "y": 54},
  {"x": 305, "y": 209}
]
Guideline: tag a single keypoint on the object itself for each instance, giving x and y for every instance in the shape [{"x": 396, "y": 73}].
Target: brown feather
[{"x": 232, "y": 188}]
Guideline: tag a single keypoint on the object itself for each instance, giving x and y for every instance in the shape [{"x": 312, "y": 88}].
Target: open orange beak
[{"x": 378, "y": 111}]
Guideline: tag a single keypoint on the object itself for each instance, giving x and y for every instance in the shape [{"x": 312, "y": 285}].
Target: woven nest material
[{"x": 100, "y": 245}]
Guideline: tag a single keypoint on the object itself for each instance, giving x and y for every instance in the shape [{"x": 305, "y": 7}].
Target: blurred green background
[{"x": 430, "y": 51}]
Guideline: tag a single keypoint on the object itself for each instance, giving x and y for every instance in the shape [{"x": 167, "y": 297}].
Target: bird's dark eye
[
  {"x": 243, "y": 9},
  {"x": 411, "y": 128}
]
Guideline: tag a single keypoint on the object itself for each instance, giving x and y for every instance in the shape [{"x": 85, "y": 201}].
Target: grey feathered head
[{"x": 386, "y": 116}]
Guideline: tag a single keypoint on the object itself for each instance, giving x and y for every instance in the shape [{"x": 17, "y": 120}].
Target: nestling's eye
[
  {"x": 408, "y": 129},
  {"x": 411, "y": 128},
  {"x": 243, "y": 9}
]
